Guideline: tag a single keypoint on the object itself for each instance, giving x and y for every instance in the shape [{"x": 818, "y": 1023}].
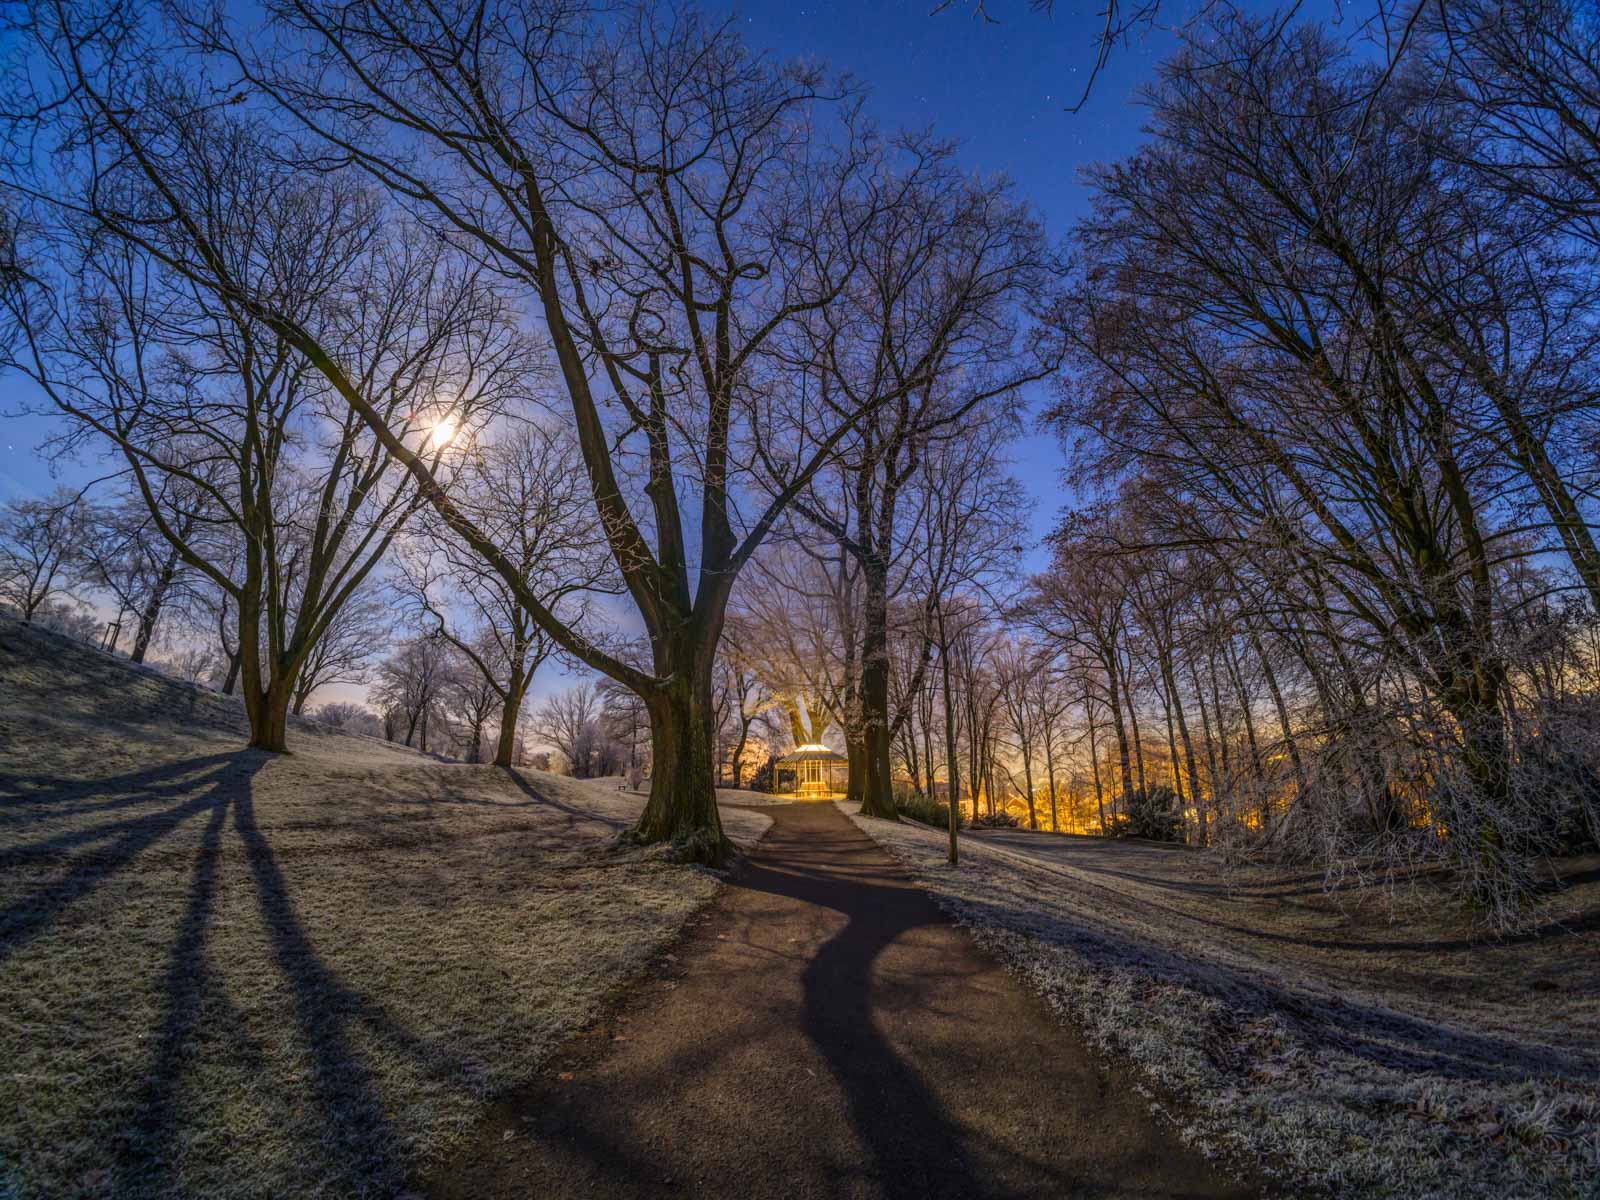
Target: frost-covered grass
[
  {"x": 1343, "y": 1054},
  {"x": 227, "y": 974}
]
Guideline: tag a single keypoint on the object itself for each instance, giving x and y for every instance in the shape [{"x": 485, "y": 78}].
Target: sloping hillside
[{"x": 235, "y": 974}]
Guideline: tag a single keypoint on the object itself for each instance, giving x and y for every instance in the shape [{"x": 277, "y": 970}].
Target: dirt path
[{"x": 825, "y": 1031}]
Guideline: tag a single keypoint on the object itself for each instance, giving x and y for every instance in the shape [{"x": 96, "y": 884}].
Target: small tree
[
  {"x": 41, "y": 543},
  {"x": 570, "y": 721},
  {"x": 408, "y": 685}
]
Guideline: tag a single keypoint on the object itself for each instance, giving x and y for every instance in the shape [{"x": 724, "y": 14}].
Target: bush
[
  {"x": 926, "y": 810},
  {"x": 996, "y": 820},
  {"x": 763, "y": 780},
  {"x": 1152, "y": 813}
]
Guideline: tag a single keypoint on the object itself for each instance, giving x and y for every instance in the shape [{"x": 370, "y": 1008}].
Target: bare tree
[
  {"x": 357, "y": 632},
  {"x": 667, "y": 268},
  {"x": 1527, "y": 75},
  {"x": 126, "y": 555},
  {"x": 40, "y": 544},
  {"x": 522, "y": 490},
  {"x": 349, "y": 718},
  {"x": 409, "y": 683},
  {"x": 969, "y": 531},
  {"x": 168, "y": 220},
  {"x": 471, "y": 700},
  {"x": 570, "y": 721},
  {"x": 931, "y": 341}
]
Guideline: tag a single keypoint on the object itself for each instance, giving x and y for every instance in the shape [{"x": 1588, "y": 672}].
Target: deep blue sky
[{"x": 1001, "y": 88}]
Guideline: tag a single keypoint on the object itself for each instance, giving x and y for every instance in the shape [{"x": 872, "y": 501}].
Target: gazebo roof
[{"x": 812, "y": 753}]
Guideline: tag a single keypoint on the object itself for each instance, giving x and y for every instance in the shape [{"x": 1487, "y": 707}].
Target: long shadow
[
  {"x": 1382, "y": 1036},
  {"x": 361, "y": 1136},
  {"x": 33, "y": 798},
  {"x": 918, "y": 1150},
  {"x": 187, "y": 984},
  {"x": 1587, "y": 922},
  {"x": 28, "y": 917},
  {"x": 540, "y": 798}
]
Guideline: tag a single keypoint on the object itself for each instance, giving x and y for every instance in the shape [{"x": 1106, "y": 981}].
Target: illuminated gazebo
[{"x": 812, "y": 772}]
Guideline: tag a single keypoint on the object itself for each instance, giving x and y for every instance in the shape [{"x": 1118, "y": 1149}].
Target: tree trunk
[
  {"x": 1188, "y": 752},
  {"x": 1094, "y": 765},
  {"x": 1284, "y": 726},
  {"x": 152, "y": 608},
  {"x": 1244, "y": 710},
  {"x": 506, "y": 745},
  {"x": 954, "y": 808},
  {"x": 877, "y": 792},
  {"x": 268, "y": 708},
  {"x": 1133, "y": 719},
  {"x": 855, "y": 768},
  {"x": 232, "y": 679},
  {"x": 1027, "y": 781},
  {"x": 1050, "y": 773},
  {"x": 682, "y": 808},
  {"x": 1120, "y": 728},
  {"x": 1216, "y": 712}
]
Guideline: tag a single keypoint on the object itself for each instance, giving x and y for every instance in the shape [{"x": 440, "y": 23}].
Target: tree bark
[
  {"x": 506, "y": 745},
  {"x": 268, "y": 708},
  {"x": 877, "y": 792},
  {"x": 954, "y": 806},
  {"x": 682, "y": 808},
  {"x": 152, "y": 608}
]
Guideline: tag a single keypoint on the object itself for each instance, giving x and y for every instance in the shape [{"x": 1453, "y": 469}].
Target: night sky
[{"x": 1000, "y": 87}]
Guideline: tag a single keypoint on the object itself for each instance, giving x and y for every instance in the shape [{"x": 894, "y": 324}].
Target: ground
[
  {"x": 229, "y": 974},
  {"x": 824, "y": 1031},
  {"x": 361, "y": 971},
  {"x": 1350, "y": 1045}
]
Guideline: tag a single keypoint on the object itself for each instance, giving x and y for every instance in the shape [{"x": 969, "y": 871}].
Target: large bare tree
[{"x": 671, "y": 203}]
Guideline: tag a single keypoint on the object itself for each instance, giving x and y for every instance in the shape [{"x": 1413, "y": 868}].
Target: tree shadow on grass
[
  {"x": 26, "y": 918},
  {"x": 359, "y": 1134},
  {"x": 362, "y": 1149},
  {"x": 34, "y": 798},
  {"x": 151, "y": 1153},
  {"x": 1383, "y": 1036},
  {"x": 539, "y": 797}
]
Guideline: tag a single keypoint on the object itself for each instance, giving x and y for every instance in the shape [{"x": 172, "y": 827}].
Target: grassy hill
[{"x": 230, "y": 974}]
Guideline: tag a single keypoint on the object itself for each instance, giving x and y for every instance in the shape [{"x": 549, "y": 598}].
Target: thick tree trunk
[
  {"x": 877, "y": 791},
  {"x": 506, "y": 746},
  {"x": 268, "y": 708},
  {"x": 682, "y": 808},
  {"x": 855, "y": 784},
  {"x": 232, "y": 679}
]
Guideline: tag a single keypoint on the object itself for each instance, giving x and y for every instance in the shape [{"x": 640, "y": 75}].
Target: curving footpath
[{"x": 825, "y": 1031}]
